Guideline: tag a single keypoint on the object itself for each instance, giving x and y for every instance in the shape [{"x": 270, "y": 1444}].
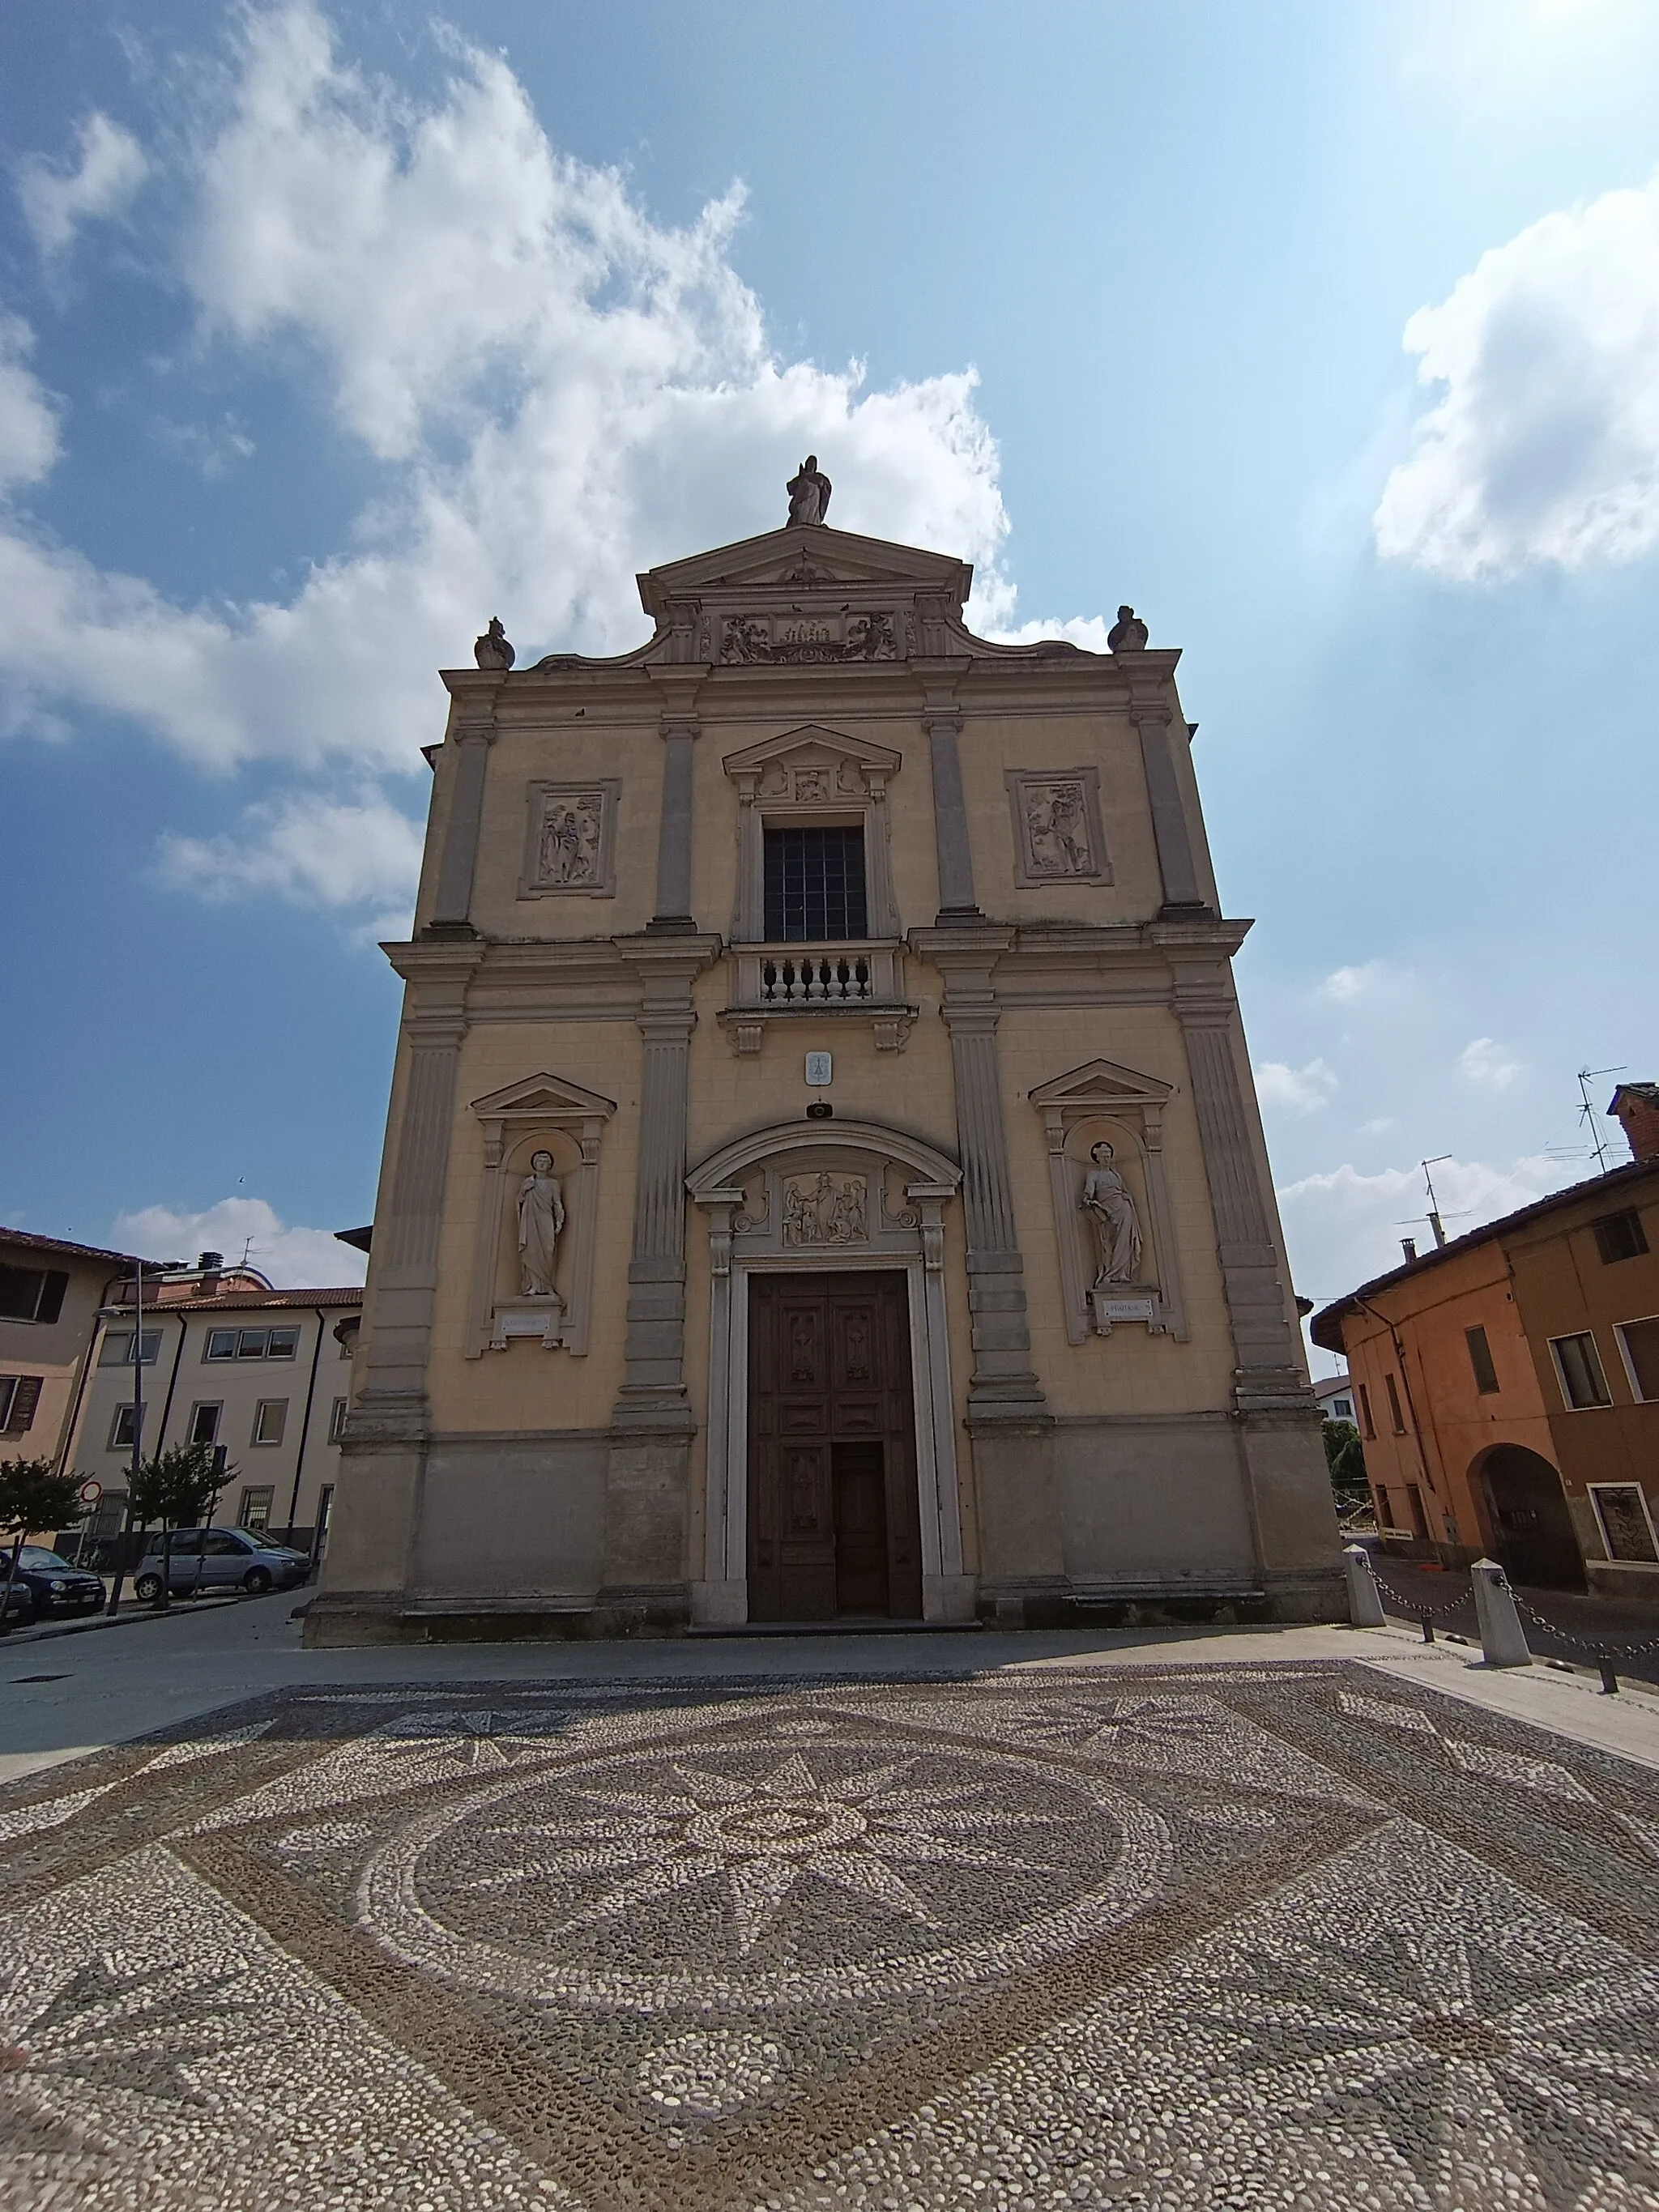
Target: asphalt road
[{"x": 1593, "y": 1621}]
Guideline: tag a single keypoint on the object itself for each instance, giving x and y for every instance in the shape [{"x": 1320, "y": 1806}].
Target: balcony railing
[{"x": 866, "y": 978}]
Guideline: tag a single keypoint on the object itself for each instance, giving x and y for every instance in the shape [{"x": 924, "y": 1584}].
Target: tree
[
  {"x": 32, "y": 1496},
  {"x": 1345, "y": 1455},
  {"x": 178, "y": 1487}
]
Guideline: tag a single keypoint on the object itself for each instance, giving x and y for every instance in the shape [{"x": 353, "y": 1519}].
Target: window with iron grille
[{"x": 814, "y": 882}]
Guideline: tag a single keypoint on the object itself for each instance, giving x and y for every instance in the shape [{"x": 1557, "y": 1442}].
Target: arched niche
[
  {"x": 803, "y": 1196},
  {"x": 542, "y": 1112},
  {"x": 1101, "y": 1102}
]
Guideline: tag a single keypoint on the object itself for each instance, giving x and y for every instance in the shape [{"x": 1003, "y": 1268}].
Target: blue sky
[{"x": 1328, "y": 337}]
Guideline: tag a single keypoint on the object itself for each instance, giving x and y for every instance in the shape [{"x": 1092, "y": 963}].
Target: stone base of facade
[
  {"x": 1277, "y": 1601},
  {"x": 346, "y": 1621}
]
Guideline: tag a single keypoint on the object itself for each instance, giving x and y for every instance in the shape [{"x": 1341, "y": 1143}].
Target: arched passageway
[{"x": 1532, "y": 1525}]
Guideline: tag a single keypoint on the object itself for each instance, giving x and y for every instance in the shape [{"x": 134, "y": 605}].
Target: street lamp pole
[{"x": 162, "y": 1266}]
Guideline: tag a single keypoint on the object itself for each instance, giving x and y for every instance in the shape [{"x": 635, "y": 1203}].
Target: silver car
[{"x": 219, "y": 1559}]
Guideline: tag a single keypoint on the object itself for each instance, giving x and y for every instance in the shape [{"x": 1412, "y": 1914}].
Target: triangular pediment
[
  {"x": 1101, "y": 1085},
  {"x": 544, "y": 1095},
  {"x": 807, "y": 747},
  {"x": 804, "y": 558}
]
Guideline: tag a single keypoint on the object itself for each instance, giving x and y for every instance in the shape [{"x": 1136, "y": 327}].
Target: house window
[
  {"x": 121, "y": 1430},
  {"x": 814, "y": 886},
  {"x": 1397, "y": 1419},
  {"x": 204, "y": 1423},
  {"x": 1384, "y": 1510},
  {"x": 1367, "y": 1425},
  {"x": 221, "y": 1344},
  {"x": 336, "y": 1420},
  {"x": 283, "y": 1343},
  {"x": 1626, "y": 1524},
  {"x": 1419, "y": 1518},
  {"x": 1619, "y": 1236},
  {"x": 19, "y": 1396},
  {"x": 252, "y": 1343},
  {"x": 1342, "y": 1409},
  {"x": 1639, "y": 1342},
  {"x": 117, "y": 1348},
  {"x": 1485, "y": 1375},
  {"x": 32, "y": 1294},
  {"x": 270, "y": 1419},
  {"x": 1578, "y": 1365},
  {"x": 254, "y": 1514}
]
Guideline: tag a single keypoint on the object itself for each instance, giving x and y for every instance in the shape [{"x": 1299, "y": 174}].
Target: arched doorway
[{"x": 1533, "y": 1527}]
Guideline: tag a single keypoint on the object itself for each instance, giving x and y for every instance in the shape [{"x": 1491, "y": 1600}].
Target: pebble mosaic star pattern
[{"x": 1256, "y": 1935}]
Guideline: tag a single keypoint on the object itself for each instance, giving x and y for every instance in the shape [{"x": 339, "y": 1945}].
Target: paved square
[{"x": 1274, "y": 1936}]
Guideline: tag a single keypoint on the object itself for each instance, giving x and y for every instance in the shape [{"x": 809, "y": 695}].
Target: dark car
[
  {"x": 47, "y": 1586},
  {"x": 220, "y": 1559}
]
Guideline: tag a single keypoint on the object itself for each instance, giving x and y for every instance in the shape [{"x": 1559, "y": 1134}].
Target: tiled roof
[
  {"x": 1613, "y": 1182},
  {"x": 244, "y": 1300},
  {"x": 33, "y": 1243}
]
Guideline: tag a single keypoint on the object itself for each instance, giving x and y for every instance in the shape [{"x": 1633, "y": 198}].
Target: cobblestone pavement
[{"x": 1276, "y": 1936}]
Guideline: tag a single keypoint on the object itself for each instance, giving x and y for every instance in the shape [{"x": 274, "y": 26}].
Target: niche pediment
[
  {"x": 542, "y": 1098},
  {"x": 1101, "y": 1086}
]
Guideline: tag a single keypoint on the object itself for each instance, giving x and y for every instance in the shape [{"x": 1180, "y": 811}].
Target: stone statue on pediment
[
  {"x": 809, "y": 493},
  {"x": 495, "y": 648},
  {"x": 1128, "y": 633}
]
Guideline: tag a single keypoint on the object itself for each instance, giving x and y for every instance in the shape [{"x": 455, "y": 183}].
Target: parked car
[
  {"x": 47, "y": 1585},
  {"x": 218, "y": 1559}
]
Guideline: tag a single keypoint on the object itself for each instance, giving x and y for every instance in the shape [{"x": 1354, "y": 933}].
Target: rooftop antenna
[
  {"x": 1435, "y": 1222},
  {"x": 1587, "y": 1113},
  {"x": 247, "y": 1246}
]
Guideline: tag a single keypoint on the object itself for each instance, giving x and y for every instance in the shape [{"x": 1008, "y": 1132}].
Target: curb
[{"x": 26, "y": 1636}]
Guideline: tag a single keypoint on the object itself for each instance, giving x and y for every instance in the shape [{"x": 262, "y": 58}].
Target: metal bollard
[
  {"x": 1609, "y": 1680},
  {"x": 1365, "y": 1603},
  {"x": 1503, "y": 1639}
]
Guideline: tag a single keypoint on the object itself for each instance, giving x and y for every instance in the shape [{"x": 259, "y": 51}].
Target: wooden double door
[{"x": 834, "y": 1524}]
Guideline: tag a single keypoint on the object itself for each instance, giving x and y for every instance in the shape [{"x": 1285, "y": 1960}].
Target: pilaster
[
  {"x": 1151, "y": 715},
  {"x": 473, "y": 732},
  {"x": 941, "y": 718},
  {"x": 678, "y": 688}
]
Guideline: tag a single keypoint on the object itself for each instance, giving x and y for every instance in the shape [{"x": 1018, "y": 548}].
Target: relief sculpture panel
[
  {"x": 825, "y": 1209},
  {"x": 1058, "y": 838},
  {"x": 570, "y": 841}
]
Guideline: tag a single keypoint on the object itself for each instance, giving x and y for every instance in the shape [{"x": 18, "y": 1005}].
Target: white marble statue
[
  {"x": 809, "y": 493},
  {"x": 1111, "y": 1213},
  {"x": 541, "y": 1218}
]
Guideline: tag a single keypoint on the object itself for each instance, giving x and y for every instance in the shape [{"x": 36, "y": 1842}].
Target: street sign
[{"x": 90, "y": 1492}]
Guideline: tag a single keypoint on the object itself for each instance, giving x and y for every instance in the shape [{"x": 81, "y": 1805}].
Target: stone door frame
[{"x": 743, "y": 1242}]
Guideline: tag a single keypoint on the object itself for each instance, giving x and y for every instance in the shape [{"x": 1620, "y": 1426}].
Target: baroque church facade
[{"x": 824, "y": 1178}]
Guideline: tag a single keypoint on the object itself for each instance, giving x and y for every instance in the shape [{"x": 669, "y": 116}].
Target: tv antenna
[
  {"x": 1436, "y": 1226},
  {"x": 1587, "y": 1113}
]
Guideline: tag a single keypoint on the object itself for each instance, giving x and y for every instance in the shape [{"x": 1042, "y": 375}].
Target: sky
[{"x": 1326, "y": 336}]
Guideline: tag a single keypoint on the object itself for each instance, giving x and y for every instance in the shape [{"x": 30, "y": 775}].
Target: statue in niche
[
  {"x": 541, "y": 1219},
  {"x": 1111, "y": 1213},
  {"x": 809, "y": 493}
]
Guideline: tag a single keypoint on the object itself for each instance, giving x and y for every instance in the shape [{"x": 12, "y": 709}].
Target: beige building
[
  {"x": 824, "y": 1178},
  {"x": 50, "y": 1295},
  {"x": 226, "y": 1360}
]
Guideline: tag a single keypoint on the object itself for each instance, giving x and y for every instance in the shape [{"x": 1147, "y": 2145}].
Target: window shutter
[
  {"x": 24, "y": 1399},
  {"x": 51, "y": 1295}
]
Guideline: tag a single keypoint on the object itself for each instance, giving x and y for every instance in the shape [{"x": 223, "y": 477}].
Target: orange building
[{"x": 1507, "y": 1385}]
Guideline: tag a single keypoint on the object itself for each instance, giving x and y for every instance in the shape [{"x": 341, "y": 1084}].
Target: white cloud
[
  {"x": 561, "y": 391},
  {"x": 28, "y": 427},
  {"x": 290, "y": 1258},
  {"x": 1343, "y": 984},
  {"x": 56, "y": 202},
  {"x": 1544, "y": 446},
  {"x": 1484, "y": 1060},
  {"x": 1343, "y": 1227},
  {"x": 1303, "y": 1089},
  {"x": 335, "y": 852}
]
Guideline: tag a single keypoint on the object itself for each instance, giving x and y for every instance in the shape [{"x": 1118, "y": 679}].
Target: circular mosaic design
[{"x": 752, "y": 1874}]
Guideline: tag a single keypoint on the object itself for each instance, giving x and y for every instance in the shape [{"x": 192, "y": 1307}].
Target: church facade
[{"x": 824, "y": 1178}]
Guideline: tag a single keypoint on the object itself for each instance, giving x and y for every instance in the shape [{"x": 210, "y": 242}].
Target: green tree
[
  {"x": 178, "y": 1487},
  {"x": 1345, "y": 1455},
  {"x": 32, "y": 1496}
]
